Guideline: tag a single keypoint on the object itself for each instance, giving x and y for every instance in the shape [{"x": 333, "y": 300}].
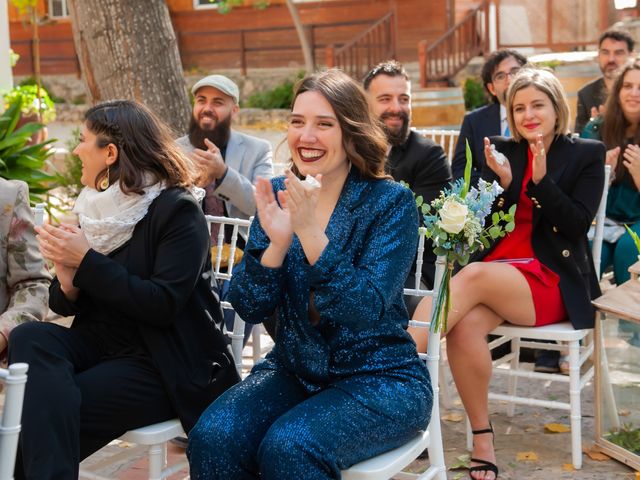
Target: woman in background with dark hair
[
  {"x": 143, "y": 347},
  {"x": 344, "y": 381},
  {"x": 619, "y": 129}
]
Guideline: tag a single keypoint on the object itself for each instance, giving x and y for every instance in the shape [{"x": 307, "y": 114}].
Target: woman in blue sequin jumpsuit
[{"x": 343, "y": 382}]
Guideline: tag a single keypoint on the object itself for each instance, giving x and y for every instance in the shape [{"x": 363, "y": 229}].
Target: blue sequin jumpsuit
[{"x": 338, "y": 392}]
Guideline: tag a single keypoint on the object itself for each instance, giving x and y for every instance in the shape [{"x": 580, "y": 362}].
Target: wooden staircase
[{"x": 468, "y": 38}]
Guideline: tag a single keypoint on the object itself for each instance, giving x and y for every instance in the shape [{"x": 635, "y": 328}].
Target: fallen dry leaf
[
  {"x": 624, "y": 413},
  {"x": 125, "y": 444},
  {"x": 527, "y": 456},
  {"x": 568, "y": 467},
  {"x": 453, "y": 417},
  {"x": 556, "y": 428},
  {"x": 460, "y": 462},
  {"x": 596, "y": 455}
]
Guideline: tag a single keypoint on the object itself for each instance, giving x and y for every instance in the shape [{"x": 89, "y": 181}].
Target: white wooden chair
[
  {"x": 391, "y": 464},
  {"x": 559, "y": 332},
  {"x": 447, "y": 139},
  {"x": 14, "y": 379},
  {"x": 240, "y": 227}
]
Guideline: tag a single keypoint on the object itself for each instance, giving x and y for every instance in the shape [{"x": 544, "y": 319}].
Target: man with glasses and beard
[
  {"x": 490, "y": 120},
  {"x": 614, "y": 49},
  {"x": 229, "y": 161},
  {"x": 412, "y": 158}
]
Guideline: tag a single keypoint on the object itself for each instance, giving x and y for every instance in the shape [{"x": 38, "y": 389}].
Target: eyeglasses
[{"x": 502, "y": 76}]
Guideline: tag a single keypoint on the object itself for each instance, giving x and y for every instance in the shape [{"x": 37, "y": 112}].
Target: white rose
[{"x": 453, "y": 216}]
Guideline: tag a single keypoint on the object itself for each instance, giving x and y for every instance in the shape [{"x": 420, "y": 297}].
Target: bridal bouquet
[{"x": 456, "y": 222}]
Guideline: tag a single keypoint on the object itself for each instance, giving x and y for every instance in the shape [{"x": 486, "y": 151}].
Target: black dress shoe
[{"x": 547, "y": 361}]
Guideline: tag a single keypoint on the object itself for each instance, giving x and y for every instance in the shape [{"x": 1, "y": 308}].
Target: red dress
[{"x": 516, "y": 246}]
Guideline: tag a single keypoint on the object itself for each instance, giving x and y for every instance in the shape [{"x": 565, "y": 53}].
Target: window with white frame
[
  {"x": 198, "y": 4},
  {"x": 58, "y": 9}
]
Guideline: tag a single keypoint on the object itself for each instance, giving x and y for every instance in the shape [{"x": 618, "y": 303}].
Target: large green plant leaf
[{"x": 19, "y": 160}]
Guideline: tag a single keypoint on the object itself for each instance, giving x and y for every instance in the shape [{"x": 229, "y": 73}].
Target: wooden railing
[
  {"x": 257, "y": 46},
  {"x": 376, "y": 44},
  {"x": 450, "y": 53}
]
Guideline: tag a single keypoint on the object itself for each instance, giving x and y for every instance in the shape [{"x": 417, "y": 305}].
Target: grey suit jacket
[{"x": 247, "y": 158}]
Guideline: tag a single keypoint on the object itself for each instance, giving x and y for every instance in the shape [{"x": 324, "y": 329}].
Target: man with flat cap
[{"x": 230, "y": 161}]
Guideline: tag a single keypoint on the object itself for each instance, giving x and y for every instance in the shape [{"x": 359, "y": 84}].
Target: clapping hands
[
  {"x": 65, "y": 246},
  {"x": 209, "y": 162},
  {"x": 502, "y": 170},
  {"x": 631, "y": 160},
  {"x": 295, "y": 214},
  {"x": 539, "y": 167}
]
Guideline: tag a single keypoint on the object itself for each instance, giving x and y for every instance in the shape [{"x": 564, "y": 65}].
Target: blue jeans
[{"x": 621, "y": 255}]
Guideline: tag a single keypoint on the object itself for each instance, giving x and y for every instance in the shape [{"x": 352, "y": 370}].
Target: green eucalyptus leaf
[
  {"x": 494, "y": 232},
  {"x": 467, "y": 168},
  {"x": 509, "y": 227}
]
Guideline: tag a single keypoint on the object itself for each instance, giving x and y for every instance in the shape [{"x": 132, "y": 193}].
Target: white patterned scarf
[{"x": 108, "y": 218}]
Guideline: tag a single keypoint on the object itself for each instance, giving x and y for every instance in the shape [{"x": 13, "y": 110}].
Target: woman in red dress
[{"x": 539, "y": 274}]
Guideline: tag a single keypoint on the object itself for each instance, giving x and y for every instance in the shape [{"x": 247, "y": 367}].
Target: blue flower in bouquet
[{"x": 459, "y": 223}]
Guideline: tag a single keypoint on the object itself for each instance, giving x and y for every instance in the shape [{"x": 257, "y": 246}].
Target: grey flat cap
[{"x": 222, "y": 83}]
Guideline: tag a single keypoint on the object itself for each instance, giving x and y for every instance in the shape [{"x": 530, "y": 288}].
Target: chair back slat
[
  {"x": 240, "y": 226},
  {"x": 447, "y": 139},
  {"x": 596, "y": 248},
  {"x": 15, "y": 379}
]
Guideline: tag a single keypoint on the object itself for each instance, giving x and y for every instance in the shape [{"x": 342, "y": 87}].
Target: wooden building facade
[{"x": 247, "y": 36}]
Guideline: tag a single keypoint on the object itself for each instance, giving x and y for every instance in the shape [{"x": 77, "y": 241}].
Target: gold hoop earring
[{"x": 104, "y": 183}]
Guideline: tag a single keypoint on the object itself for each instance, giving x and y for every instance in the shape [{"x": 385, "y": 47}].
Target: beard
[
  {"x": 218, "y": 135},
  {"x": 398, "y": 136}
]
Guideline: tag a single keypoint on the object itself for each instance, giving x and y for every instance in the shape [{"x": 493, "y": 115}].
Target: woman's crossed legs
[{"x": 483, "y": 295}]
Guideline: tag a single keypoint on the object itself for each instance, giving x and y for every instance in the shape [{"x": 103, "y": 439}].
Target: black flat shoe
[{"x": 485, "y": 465}]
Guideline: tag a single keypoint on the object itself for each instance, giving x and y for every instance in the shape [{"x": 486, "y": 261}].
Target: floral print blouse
[{"x": 24, "y": 279}]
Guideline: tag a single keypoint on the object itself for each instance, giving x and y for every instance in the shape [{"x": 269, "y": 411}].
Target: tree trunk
[
  {"x": 309, "y": 60},
  {"x": 128, "y": 49}
]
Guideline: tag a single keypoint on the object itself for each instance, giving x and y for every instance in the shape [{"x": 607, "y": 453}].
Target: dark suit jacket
[
  {"x": 593, "y": 94},
  {"x": 565, "y": 203},
  {"x": 482, "y": 122},
  {"x": 158, "y": 282},
  {"x": 423, "y": 165}
]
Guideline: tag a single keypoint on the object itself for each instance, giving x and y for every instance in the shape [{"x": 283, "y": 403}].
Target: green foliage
[
  {"x": 279, "y": 97},
  {"x": 225, "y": 6},
  {"x": 25, "y": 6},
  {"x": 473, "y": 92},
  {"x": 69, "y": 179},
  {"x": 550, "y": 64},
  {"x": 28, "y": 95},
  {"x": 18, "y": 159},
  {"x": 32, "y": 81},
  {"x": 13, "y": 58},
  {"x": 626, "y": 437},
  {"x": 634, "y": 236}
]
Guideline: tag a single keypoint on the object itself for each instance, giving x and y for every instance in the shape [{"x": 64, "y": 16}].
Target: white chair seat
[
  {"x": 386, "y": 465},
  {"x": 562, "y": 331},
  {"x": 157, "y": 433}
]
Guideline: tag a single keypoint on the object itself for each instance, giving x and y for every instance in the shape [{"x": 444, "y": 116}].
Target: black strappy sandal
[{"x": 485, "y": 465}]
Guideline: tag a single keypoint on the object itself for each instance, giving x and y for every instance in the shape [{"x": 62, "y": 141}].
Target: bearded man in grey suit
[{"x": 229, "y": 161}]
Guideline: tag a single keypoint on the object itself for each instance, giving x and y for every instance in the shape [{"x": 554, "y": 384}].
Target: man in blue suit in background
[{"x": 491, "y": 119}]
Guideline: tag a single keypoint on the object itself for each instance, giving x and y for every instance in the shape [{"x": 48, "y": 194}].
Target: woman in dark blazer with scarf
[
  {"x": 539, "y": 274},
  {"x": 145, "y": 345}
]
